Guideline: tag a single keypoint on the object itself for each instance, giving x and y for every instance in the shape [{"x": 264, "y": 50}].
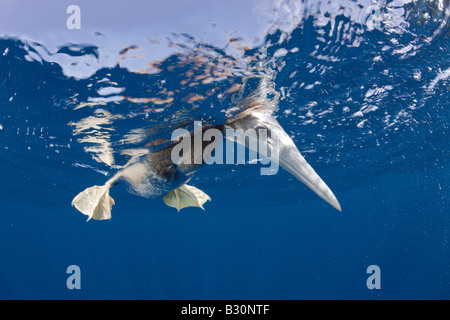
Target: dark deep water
[{"x": 368, "y": 108}]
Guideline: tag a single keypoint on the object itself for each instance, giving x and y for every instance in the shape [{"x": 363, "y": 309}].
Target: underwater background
[{"x": 362, "y": 88}]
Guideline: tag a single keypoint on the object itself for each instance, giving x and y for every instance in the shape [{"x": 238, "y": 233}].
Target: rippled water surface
[{"x": 362, "y": 87}]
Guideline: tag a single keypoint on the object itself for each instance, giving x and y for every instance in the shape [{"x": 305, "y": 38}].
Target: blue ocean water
[{"x": 365, "y": 102}]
